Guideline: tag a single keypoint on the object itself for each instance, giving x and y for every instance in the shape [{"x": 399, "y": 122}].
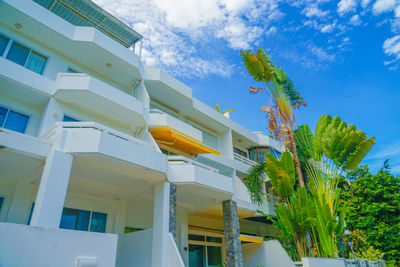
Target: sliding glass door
[{"x": 205, "y": 249}]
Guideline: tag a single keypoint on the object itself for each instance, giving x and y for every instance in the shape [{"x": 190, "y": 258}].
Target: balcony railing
[
  {"x": 58, "y": 126},
  {"x": 272, "y": 198},
  {"x": 244, "y": 159},
  {"x": 178, "y": 160}
]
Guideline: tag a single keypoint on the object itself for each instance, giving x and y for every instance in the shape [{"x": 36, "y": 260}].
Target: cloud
[
  {"x": 314, "y": 11},
  {"x": 345, "y": 6},
  {"x": 391, "y": 47},
  {"x": 390, "y": 151},
  {"x": 381, "y": 6},
  {"x": 186, "y": 37},
  {"x": 355, "y": 20},
  {"x": 365, "y": 3}
]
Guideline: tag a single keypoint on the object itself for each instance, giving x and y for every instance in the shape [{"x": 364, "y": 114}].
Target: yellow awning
[
  {"x": 179, "y": 141},
  {"x": 245, "y": 238}
]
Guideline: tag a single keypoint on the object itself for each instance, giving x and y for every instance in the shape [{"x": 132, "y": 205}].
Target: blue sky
[{"x": 343, "y": 56}]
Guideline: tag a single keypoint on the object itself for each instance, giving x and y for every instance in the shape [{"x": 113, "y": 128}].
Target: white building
[{"x": 107, "y": 162}]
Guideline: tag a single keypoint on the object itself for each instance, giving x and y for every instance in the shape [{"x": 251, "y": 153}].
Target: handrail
[
  {"x": 52, "y": 132},
  {"x": 244, "y": 159},
  {"x": 175, "y": 160}
]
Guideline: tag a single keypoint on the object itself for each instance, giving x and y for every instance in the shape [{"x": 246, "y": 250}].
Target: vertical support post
[
  {"x": 232, "y": 234},
  {"x": 172, "y": 210},
  {"x": 160, "y": 245},
  {"x": 183, "y": 232},
  {"x": 52, "y": 190}
]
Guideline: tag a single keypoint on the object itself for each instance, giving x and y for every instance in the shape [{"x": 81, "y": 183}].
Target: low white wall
[
  {"x": 268, "y": 254},
  {"x": 134, "y": 249},
  {"x": 22, "y": 245},
  {"x": 325, "y": 262},
  {"x": 174, "y": 257}
]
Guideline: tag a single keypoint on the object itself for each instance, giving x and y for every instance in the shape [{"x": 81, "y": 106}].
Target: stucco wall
[
  {"x": 42, "y": 247},
  {"x": 134, "y": 249},
  {"x": 268, "y": 254}
]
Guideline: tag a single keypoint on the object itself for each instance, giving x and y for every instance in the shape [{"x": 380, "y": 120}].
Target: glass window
[
  {"x": 253, "y": 153},
  {"x": 214, "y": 239},
  {"x": 210, "y": 140},
  {"x": 69, "y": 119},
  {"x": 3, "y": 113},
  {"x": 75, "y": 219},
  {"x": 98, "y": 222},
  {"x": 261, "y": 153},
  {"x": 1, "y": 202},
  {"x": 36, "y": 62},
  {"x": 214, "y": 256},
  {"x": 3, "y": 44},
  {"x": 197, "y": 237},
  {"x": 15, "y": 121},
  {"x": 240, "y": 152},
  {"x": 18, "y": 53},
  {"x": 197, "y": 255}
]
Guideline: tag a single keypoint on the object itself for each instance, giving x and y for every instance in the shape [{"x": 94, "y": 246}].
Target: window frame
[
  {"x": 16, "y": 111},
  {"x": 11, "y": 41},
  {"x": 206, "y": 243}
]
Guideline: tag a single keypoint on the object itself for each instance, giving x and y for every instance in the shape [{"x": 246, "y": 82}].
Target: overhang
[{"x": 169, "y": 137}]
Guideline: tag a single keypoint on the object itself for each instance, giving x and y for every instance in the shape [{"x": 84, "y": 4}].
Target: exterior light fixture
[
  {"x": 108, "y": 65},
  {"x": 18, "y": 25}
]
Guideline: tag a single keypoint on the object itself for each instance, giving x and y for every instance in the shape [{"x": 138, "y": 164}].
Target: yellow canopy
[{"x": 179, "y": 141}]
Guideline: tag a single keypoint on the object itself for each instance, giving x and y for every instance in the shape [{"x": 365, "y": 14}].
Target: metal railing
[
  {"x": 272, "y": 198},
  {"x": 179, "y": 160},
  {"x": 244, "y": 160},
  {"x": 59, "y": 126}
]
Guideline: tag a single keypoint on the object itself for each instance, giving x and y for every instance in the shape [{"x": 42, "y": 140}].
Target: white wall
[
  {"x": 134, "y": 249},
  {"x": 317, "y": 262},
  {"x": 268, "y": 254},
  {"x": 22, "y": 246}
]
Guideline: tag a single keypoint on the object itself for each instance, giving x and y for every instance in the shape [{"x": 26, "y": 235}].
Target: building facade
[{"x": 107, "y": 162}]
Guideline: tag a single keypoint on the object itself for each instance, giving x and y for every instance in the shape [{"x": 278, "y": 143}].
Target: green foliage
[
  {"x": 218, "y": 109},
  {"x": 370, "y": 253},
  {"x": 374, "y": 208},
  {"x": 254, "y": 182}
]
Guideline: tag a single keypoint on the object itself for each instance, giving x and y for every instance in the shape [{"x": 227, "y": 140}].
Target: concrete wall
[
  {"x": 134, "y": 249},
  {"x": 22, "y": 246},
  {"x": 316, "y": 262},
  {"x": 268, "y": 254}
]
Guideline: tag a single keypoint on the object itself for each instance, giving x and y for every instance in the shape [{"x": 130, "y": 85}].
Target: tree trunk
[
  {"x": 298, "y": 246},
  {"x": 296, "y": 158}
]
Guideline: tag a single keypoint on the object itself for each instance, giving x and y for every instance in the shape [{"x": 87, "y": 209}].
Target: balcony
[
  {"x": 91, "y": 93},
  {"x": 177, "y": 136},
  {"x": 93, "y": 48},
  {"x": 183, "y": 170},
  {"x": 97, "y": 145},
  {"x": 22, "y": 83}
]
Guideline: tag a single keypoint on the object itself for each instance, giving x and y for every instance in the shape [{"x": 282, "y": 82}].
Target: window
[
  {"x": 1, "y": 202},
  {"x": 71, "y": 70},
  {"x": 210, "y": 140},
  {"x": 240, "y": 152},
  {"x": 3, "y": 44},
  {"x": 83, "y": 220},
  {"x": 13, "y": 120},
  {"x": 258, "y": 153},
  {"x": 205, "y": 250},
  {"x": 69, "y": 119},
  {"x": 23, "y": 55}
]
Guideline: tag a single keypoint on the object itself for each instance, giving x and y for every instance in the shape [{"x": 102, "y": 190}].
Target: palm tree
[
  {"x": 285, "y": 98},
  {"x": 217, "y": 107}
]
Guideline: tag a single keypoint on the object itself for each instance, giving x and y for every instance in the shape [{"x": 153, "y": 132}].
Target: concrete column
[
  {"x": 172, "y": 210},
  {"x": 160, "y": 225},
  {"x": 52, "y": 190},
  {"x": 183, "y": 232},
  {"x": 233, "y": 247},
  {"x": 20, "y": 203}
]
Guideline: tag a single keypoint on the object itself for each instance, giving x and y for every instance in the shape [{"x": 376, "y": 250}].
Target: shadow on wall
[{"x": 267, "y": 254}]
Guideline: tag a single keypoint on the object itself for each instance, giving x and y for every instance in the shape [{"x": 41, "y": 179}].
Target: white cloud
[
  {"x": 314, "y": 11},
  {"x": 182, "y": 36},
  {"x": 365, "y": 3},
  {"x": 381, "y": 6},
  {"x": 345, "y": 6},
  {"x": 355, "y": 20},
  {"x": 391, "y": 47},
  {"x": 328, "y": 28},
  {"x": 397, "y": 11},
  {"x": 321, "y": 54}
]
